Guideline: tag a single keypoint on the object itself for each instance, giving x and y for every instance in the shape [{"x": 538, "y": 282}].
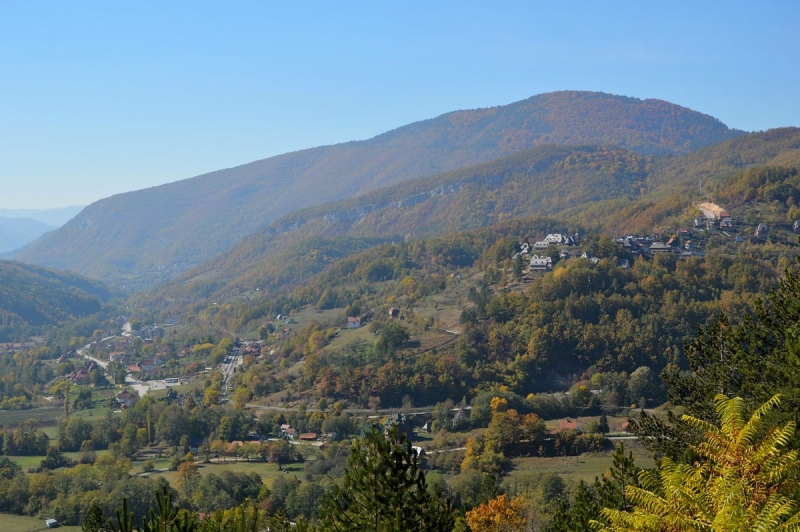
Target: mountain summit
[{"x": 153, "y": 234}]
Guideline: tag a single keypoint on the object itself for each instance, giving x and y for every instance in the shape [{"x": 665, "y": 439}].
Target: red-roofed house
[
  {"x": 309, "y": 436},
  {"x": 568, "y": 424},
  {"x": 126, "y": 398},
  {"x": 232, "y": 446}
]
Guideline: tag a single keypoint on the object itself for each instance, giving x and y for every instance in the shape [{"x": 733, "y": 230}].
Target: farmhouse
[
  {"x": 658, "y": 247},
  {"x": 568, "y": 424},
  {"x": 541, "y": 263},
  {"x": 126, "y": 399}
]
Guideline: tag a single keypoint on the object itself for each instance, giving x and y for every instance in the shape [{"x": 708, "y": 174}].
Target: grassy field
[
  {"x": 45, "y": 416},
  {"x": 268, "y": 472},
  {"x": 347, "y": 336},
  {"x": 26, "y": 462},
  {"x": 19, "y": 523},
  {"x": 576, "y": 468},
  {"x": 198, "y": 382}
]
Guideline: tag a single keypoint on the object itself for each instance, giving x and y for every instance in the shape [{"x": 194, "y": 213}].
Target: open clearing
[
  {"x": 21, "y": 523},
  {"x": 576, "y": 468},
  {"x": 268, "y": 472}
]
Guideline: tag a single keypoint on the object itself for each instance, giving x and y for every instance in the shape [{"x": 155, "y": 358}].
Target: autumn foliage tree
[{"x": 498, "y": 515}]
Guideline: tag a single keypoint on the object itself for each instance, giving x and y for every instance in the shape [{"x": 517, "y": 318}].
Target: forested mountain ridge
[
  {"x": 162, "y": 231},
  {"x": 542, "y": 180},
  {"x": 712, "y": 172},
  {"x": 35, "y": 296},
  {"x": 602, "y": 188}
]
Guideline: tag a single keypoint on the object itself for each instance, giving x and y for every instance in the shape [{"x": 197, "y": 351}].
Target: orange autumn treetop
[{"x": 498, "y": 515}]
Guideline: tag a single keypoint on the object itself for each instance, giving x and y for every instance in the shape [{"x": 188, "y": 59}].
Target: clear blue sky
[{"x": 100, "y": 98}]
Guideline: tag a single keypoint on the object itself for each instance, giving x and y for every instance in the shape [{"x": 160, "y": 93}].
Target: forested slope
[
  {"x": 543, "y": 180},
  {"x": 675, "y": 183},
  {"x": 475, "y": 322},
  {"x": 32, "y": 295},
  {"x": 145, "y": 235},
  {"x": 600, "y": 188}
]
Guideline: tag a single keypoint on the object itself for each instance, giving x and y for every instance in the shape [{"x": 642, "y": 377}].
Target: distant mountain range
[
  {"x": 17, "y": 232},
  {"x": 52, "y": 217},
  {"x": 19, "y": 227},
  {"x": 143, "y": 237}
]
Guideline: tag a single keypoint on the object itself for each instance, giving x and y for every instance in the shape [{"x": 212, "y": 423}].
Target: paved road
[
  {"x": 228, "y": 368},
  {"x": 141, "y": 387}
]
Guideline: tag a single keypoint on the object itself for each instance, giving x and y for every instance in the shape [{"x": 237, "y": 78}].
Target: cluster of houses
[
  {"x": 32, "y": 343},
  {"x": 151, "y": 333},
  {"x": 146, "y": 366},
  {"x": 645, "y": 246},
  {"x": 724, "y": 222},
  {"x": 545, "y": 263},
  {"x": 290, "y": 433},
  {"x": 80, "y": 376},
  {"x": 554, "y": 239},
  {"x": 252, "y": 347}
]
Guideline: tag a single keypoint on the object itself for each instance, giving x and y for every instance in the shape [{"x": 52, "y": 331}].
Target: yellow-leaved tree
[
  {"x": 498, "y": 515},
  {"x": 743, "y": 479}
]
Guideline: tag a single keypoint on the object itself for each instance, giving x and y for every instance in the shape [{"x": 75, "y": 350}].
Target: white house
[{"x": 541, "y": 263}]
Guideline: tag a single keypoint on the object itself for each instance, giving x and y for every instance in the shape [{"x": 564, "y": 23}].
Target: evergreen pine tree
[
  {"x": 607, "y": 492},
  {"x": 384, "y": 490},
  {"x": 93, "y": 520},
  {"x": 561, "y": 519},
  {"x": 602, "y": 424},
  {"x": 124, "y": 518},
  {"x": 623, "y": 473},
  {"x": 575, "y": 517}
]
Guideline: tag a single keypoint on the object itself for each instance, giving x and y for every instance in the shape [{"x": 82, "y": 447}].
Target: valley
[{"x": 525, "y": 293}]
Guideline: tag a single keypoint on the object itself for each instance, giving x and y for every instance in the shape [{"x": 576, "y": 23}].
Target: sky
[{"x": 106, "y": 97}]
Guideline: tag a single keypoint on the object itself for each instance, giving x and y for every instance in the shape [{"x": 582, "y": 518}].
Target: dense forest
[{"x": 31, "y": 296}]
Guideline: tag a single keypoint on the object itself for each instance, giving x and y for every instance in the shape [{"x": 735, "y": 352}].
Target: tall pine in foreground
[
  {"x": 93, "y": 521},
  {"x": 384, "y": 490}
]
